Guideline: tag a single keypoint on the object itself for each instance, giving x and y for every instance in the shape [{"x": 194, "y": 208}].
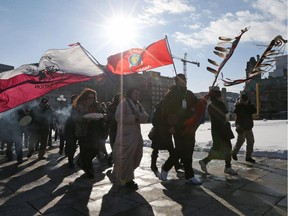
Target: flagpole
[
  {"x": 104, "y": 70},
  {"x": 89, "y": 56},
  {"x": 93, "y": 58},
  {"x": 166, "y": 38}
]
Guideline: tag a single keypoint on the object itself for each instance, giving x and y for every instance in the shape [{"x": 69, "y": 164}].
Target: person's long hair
[
  {"x": 83, "y": 96},
  {"x": 130, "y": 92},
  {"x": 117, "y": 98}
]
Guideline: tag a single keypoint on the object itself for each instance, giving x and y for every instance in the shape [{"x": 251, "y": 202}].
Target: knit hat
[
  {"x": 180, "y": 76},
  {"x": 214, "y": 94}
]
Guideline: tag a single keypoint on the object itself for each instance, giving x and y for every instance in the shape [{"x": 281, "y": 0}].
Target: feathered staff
[
  {"x": 265, "y": 63},
  {"x": 193, "y": 123},
  {"x": 225, "y": 53}
]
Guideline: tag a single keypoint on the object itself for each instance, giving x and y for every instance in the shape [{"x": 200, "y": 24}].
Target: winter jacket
[
  {"x": 178, "y": 106},
  {"x": 220, "y": 127},
  {"x": 244, "y": 115},
  {"x": 128, "y": 146},
  {"x": 162, "y": 139}
]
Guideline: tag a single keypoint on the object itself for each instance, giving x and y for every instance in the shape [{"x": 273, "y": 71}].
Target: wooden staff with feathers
[
  {"x": 225, "y": 53},
  {"x": 193, "y": 123},
  {"x": 265, "y": 63}
]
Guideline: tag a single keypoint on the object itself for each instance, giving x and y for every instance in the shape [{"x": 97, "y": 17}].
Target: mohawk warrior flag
[
  {"x": 137, "y": 59},
  {"x": 57, "y": 68}
]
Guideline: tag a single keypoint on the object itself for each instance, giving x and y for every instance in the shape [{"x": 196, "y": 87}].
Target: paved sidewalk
[{"x": 50, "y": 187}]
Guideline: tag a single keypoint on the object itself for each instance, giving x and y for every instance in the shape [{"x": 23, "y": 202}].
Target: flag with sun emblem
[{"x": 136, "y": 59}]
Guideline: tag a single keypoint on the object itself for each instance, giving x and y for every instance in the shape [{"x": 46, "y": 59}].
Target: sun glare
[{"x": 121, "y": 31}]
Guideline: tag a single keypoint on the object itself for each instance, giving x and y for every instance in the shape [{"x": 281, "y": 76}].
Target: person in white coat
[{"x": 128, "y": 146}]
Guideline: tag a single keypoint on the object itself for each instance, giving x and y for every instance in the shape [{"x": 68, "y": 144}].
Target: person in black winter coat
[
  {"x": 161, "y": 138},
  {"x": 12, "y": 134},
  {"x": 179, "y": 106},
  {"x": 70, "y": 136},
  {"x": 244, "y": 124},
  {"x": 221, "y": 134},
  {"x": 90, "y": 131},
  {"x": 112, "y": 124},
  {"x": 39, "y": 127}
]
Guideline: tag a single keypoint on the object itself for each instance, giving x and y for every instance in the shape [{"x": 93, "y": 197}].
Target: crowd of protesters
[{"x": 88, "y": 123}]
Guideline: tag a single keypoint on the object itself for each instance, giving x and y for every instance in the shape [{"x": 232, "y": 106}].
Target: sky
[{"x": 28, "y": 28}]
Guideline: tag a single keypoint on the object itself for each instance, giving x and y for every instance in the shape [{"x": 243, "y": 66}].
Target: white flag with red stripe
[{"x": 57, "y": 68}]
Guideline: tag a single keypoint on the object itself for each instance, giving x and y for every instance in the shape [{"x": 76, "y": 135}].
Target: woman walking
[{"x": 128, "y": 146}]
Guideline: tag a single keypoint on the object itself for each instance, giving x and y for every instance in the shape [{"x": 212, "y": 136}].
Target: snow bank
[{"x": 270, "y": 138}]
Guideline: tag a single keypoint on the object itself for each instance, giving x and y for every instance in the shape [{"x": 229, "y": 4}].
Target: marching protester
[
  {"x": 179, "y": 106},
  {"x": 12, "y": 135},
  {"x": 24, "y": 113},
  {"x": 221, "y": 134},
  {"x": 161, "y": 138},
  {"x": 244, "y": 111},
  {"x": 70, "y": 136},
  {"x": 128, "y": 146},
  {"x": 39, "y": 127},
  {"x": 60, "y": 119},
  {"x": 89, "y": 132},
  {"x": 112, "y": 124},
  {"x": 98, "y": 130}
]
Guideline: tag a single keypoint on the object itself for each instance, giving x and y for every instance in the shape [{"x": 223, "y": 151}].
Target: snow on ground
[{"x": 270, "y": 138}]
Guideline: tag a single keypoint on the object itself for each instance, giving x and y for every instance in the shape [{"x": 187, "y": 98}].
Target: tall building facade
[{"x": 269, "y": 93}]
